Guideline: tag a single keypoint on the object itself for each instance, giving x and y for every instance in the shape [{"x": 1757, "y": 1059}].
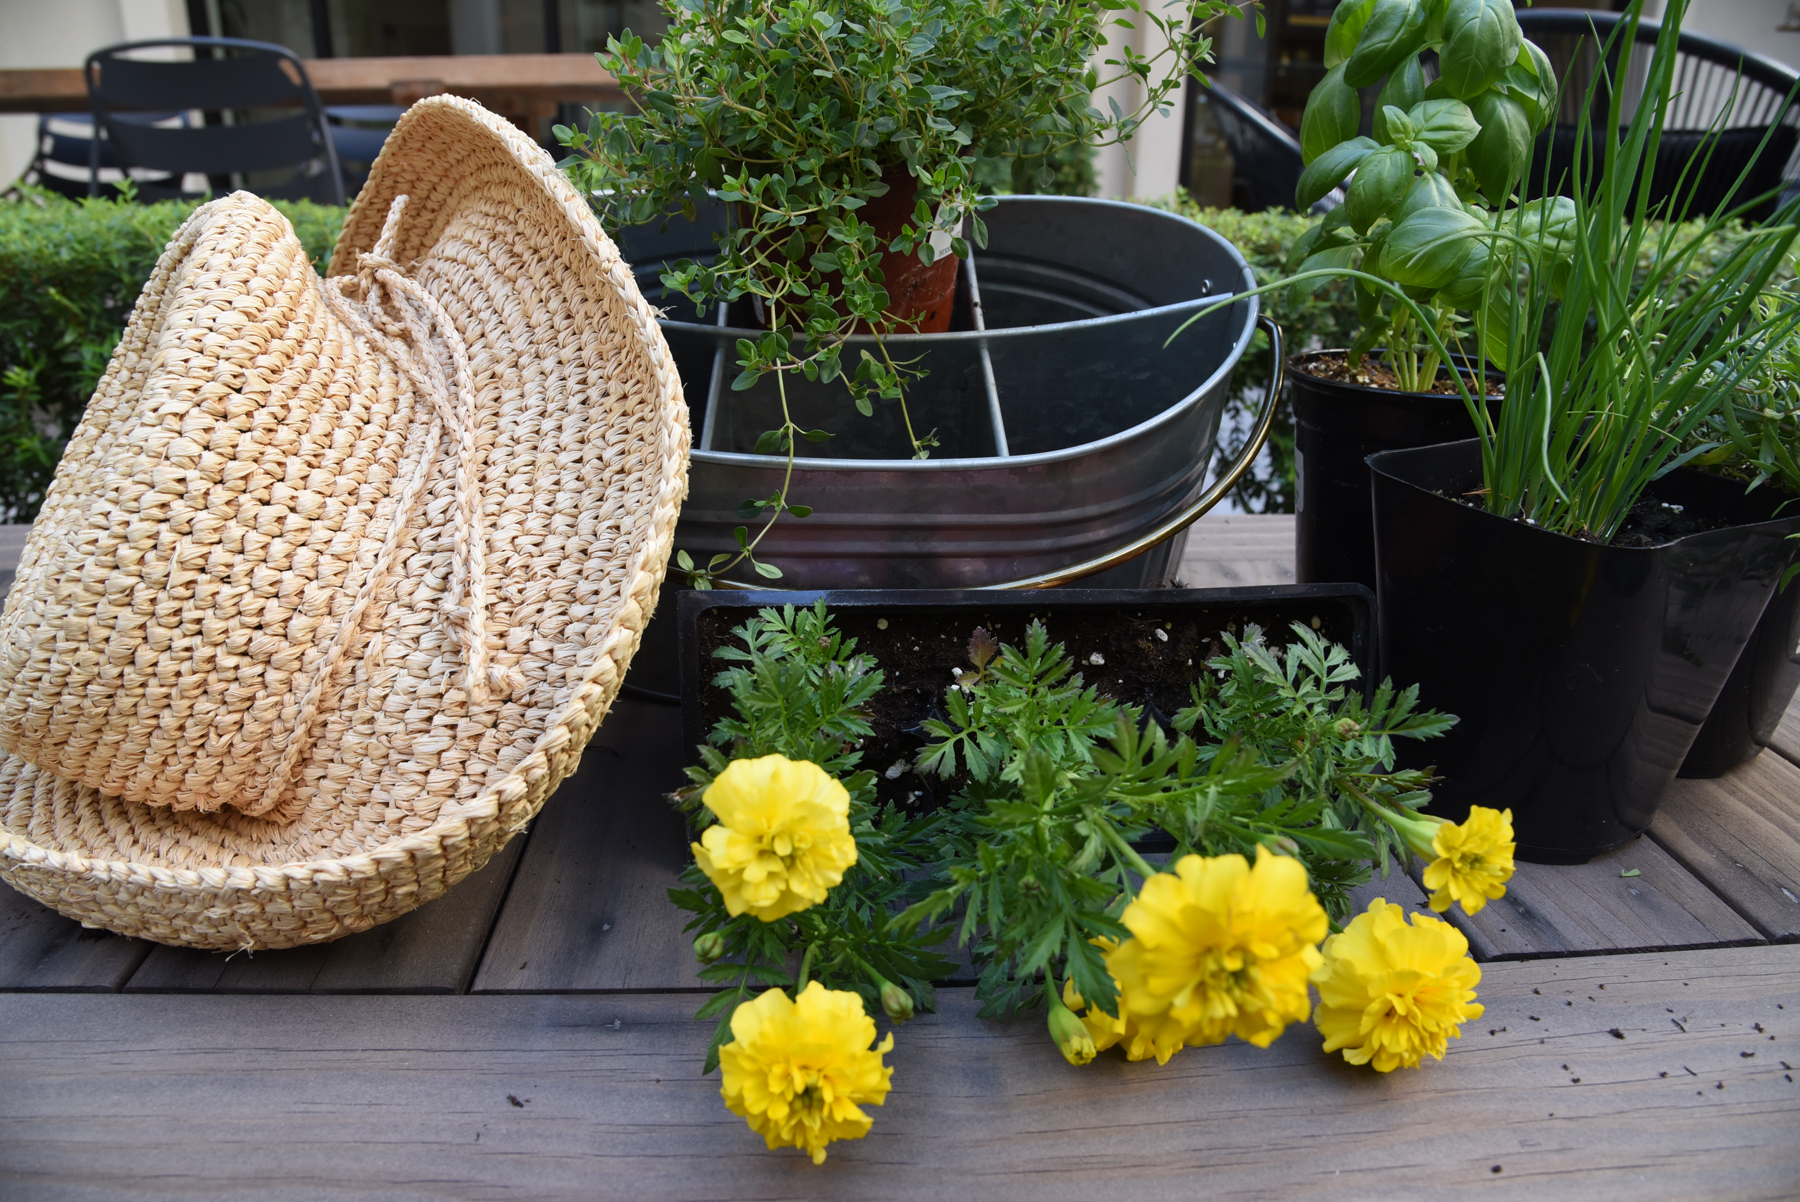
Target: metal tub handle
[{"x": 1186, "y": 517}]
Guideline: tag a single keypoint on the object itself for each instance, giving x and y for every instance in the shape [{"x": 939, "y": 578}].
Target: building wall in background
[{"x": 40, "y": 33}]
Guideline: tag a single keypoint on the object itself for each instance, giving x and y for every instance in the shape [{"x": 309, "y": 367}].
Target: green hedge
[{"x": 69, "y": 274}]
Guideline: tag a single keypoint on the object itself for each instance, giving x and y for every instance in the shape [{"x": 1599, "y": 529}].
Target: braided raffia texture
[{"x": 407, "y": 784}]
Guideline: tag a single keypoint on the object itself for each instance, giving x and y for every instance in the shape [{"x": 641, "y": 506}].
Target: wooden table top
[
  {"x": 1641, "y": 1039},
  {"x": 499, "y": 81}
]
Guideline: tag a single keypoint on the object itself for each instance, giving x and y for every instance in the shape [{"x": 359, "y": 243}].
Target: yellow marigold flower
[
  {"x": 783, "y": 836},
  {"x": 1390, "y": 994},
  {"x": 1071, "y": 1036},
  {"x": 1475, "y": 860},
  {"x": 1218, "y": 948},
  {"x": 795, "y": 1070},
  {"x": 1142, "y": 1037}
]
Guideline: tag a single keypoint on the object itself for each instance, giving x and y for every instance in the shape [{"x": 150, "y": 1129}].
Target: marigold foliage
[
  {"x": 1391, "y": 994},
  {"x": 1219, "y": 947},
  {"x": 798, "y": 1070},
  {"x": 1474, "y": 860},
  {"x": 783, "y": 836}
]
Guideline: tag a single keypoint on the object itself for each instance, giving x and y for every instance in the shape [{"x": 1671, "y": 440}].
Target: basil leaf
[
  {"x": 1481, "y": 40},
  {"x": 1395, "y": 30},
  {"x": 1495, "y": 326},
  {"x": 1333, "y": 111},
  {"x": 1428, "y": 191},
  {"x": 1427, "y": 250},
  {"x": 1405, "y": 87},
  {"x": 1381, "y": 180},
  {"x": 1337, "y": 257},
  {"x": 1499, "y": 152},
  {"x": 1329, "y": 169},
  {"x": 1464, "y": 292},
  {"x": 1303, "y": 246},
  {"x": 1347, "y": 21},
  {"x": 1444, "y": 125},
  {"x": 1531, "y": 81}
]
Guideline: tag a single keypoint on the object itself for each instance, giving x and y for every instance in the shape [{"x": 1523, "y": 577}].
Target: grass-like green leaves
[{"x": 1610, "y": 394}]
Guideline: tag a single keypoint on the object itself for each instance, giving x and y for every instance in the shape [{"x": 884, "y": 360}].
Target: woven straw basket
[{"x": 337, "y": 578}]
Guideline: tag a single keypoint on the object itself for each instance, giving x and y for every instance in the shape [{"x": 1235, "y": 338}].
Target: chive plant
[
  {"x": 1606, "y": 377},
  {"x": 1601, "y": 403}
]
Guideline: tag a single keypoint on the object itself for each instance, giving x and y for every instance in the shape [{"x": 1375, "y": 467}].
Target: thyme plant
[{"x": 798, "y": 113}]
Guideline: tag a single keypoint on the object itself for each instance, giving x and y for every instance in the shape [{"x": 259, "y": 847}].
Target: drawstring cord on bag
[{"x": 398, "y": 328}]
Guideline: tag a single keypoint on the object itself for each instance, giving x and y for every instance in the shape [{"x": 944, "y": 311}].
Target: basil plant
[{"x": 1425, "y": 207}]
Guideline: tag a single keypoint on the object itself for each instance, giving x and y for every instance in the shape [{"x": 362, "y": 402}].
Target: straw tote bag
[{"x": 336, "y": 578}]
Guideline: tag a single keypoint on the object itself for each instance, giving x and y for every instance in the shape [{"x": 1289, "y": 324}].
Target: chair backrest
[
  {"x": 1266, "y": 154},
  {"x": 65, "y": 159},
  {"x": 225, "y": 76},
  {"x": 1742, "y": 93}
]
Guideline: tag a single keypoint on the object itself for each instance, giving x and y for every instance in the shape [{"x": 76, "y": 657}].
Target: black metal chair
[
  {"x": 1707, "y": 72},
  {"x": 236, "y": 83},
  {"x": 64, "y": 162},
  {"x": 358, "y": 132},
  {"x": 1266, "y": 160}
]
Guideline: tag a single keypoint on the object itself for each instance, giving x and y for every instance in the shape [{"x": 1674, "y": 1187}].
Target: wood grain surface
[
  {"x": 1741, "y": 834},
  {"x": 1569, "y": 909},
  {"x": 589, "y": 907},
  {"x": 1235, "y": 549},
  {"x": 40, "y": 949},
  {"x": 1634, "y": 1077}
]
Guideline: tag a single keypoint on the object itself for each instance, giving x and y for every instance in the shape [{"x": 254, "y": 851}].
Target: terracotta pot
[{"x": 914, "y": 290}]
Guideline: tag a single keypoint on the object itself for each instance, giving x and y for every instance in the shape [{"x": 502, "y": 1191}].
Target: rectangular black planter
[{"x": 920, "y": 637}]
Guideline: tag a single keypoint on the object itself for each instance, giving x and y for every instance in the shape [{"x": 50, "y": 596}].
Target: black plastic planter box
[
  {"x": 1581, "y": 673},
  {"x": 920, "y": 638}
]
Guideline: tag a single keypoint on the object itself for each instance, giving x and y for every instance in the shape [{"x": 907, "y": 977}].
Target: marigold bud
[
  {"x": 1071, "y": 1034},
  {"x": 896, "y": 1002},
  {"x": 709, "y": 947}
]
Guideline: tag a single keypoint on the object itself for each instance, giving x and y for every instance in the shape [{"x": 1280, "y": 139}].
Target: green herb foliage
[
  {"x": 1444, "y": 154},
  {"x": 799, "y": 690},
  {"x": 798, "y": 113},
  {"x": 1058, "y": 781},
  {"x": 1626, "y": 377}
]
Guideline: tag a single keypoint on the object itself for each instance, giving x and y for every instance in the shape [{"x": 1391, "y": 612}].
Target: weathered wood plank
[
  {"x": 434, "y": 949},
  {"x": 1237, "y": 549},
  {"x": 40, "y": 949},
  {"x": 1552, "y": 910},
  {"x": 1741, "y": 834},
  {"x": 1640, "y": 1076},
  {"x": 589, "y": 907}
]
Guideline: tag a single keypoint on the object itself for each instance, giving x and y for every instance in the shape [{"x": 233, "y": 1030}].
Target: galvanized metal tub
[{"x": 1066, "y": 427}]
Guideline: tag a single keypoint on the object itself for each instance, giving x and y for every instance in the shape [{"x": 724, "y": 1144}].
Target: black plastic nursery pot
[
  {"x": 1755, "y": 696},
  {"x": 1139, "y": 646},
  {"x": 1581, "y": 673},
  {"x": 1337, "y": 426}
]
